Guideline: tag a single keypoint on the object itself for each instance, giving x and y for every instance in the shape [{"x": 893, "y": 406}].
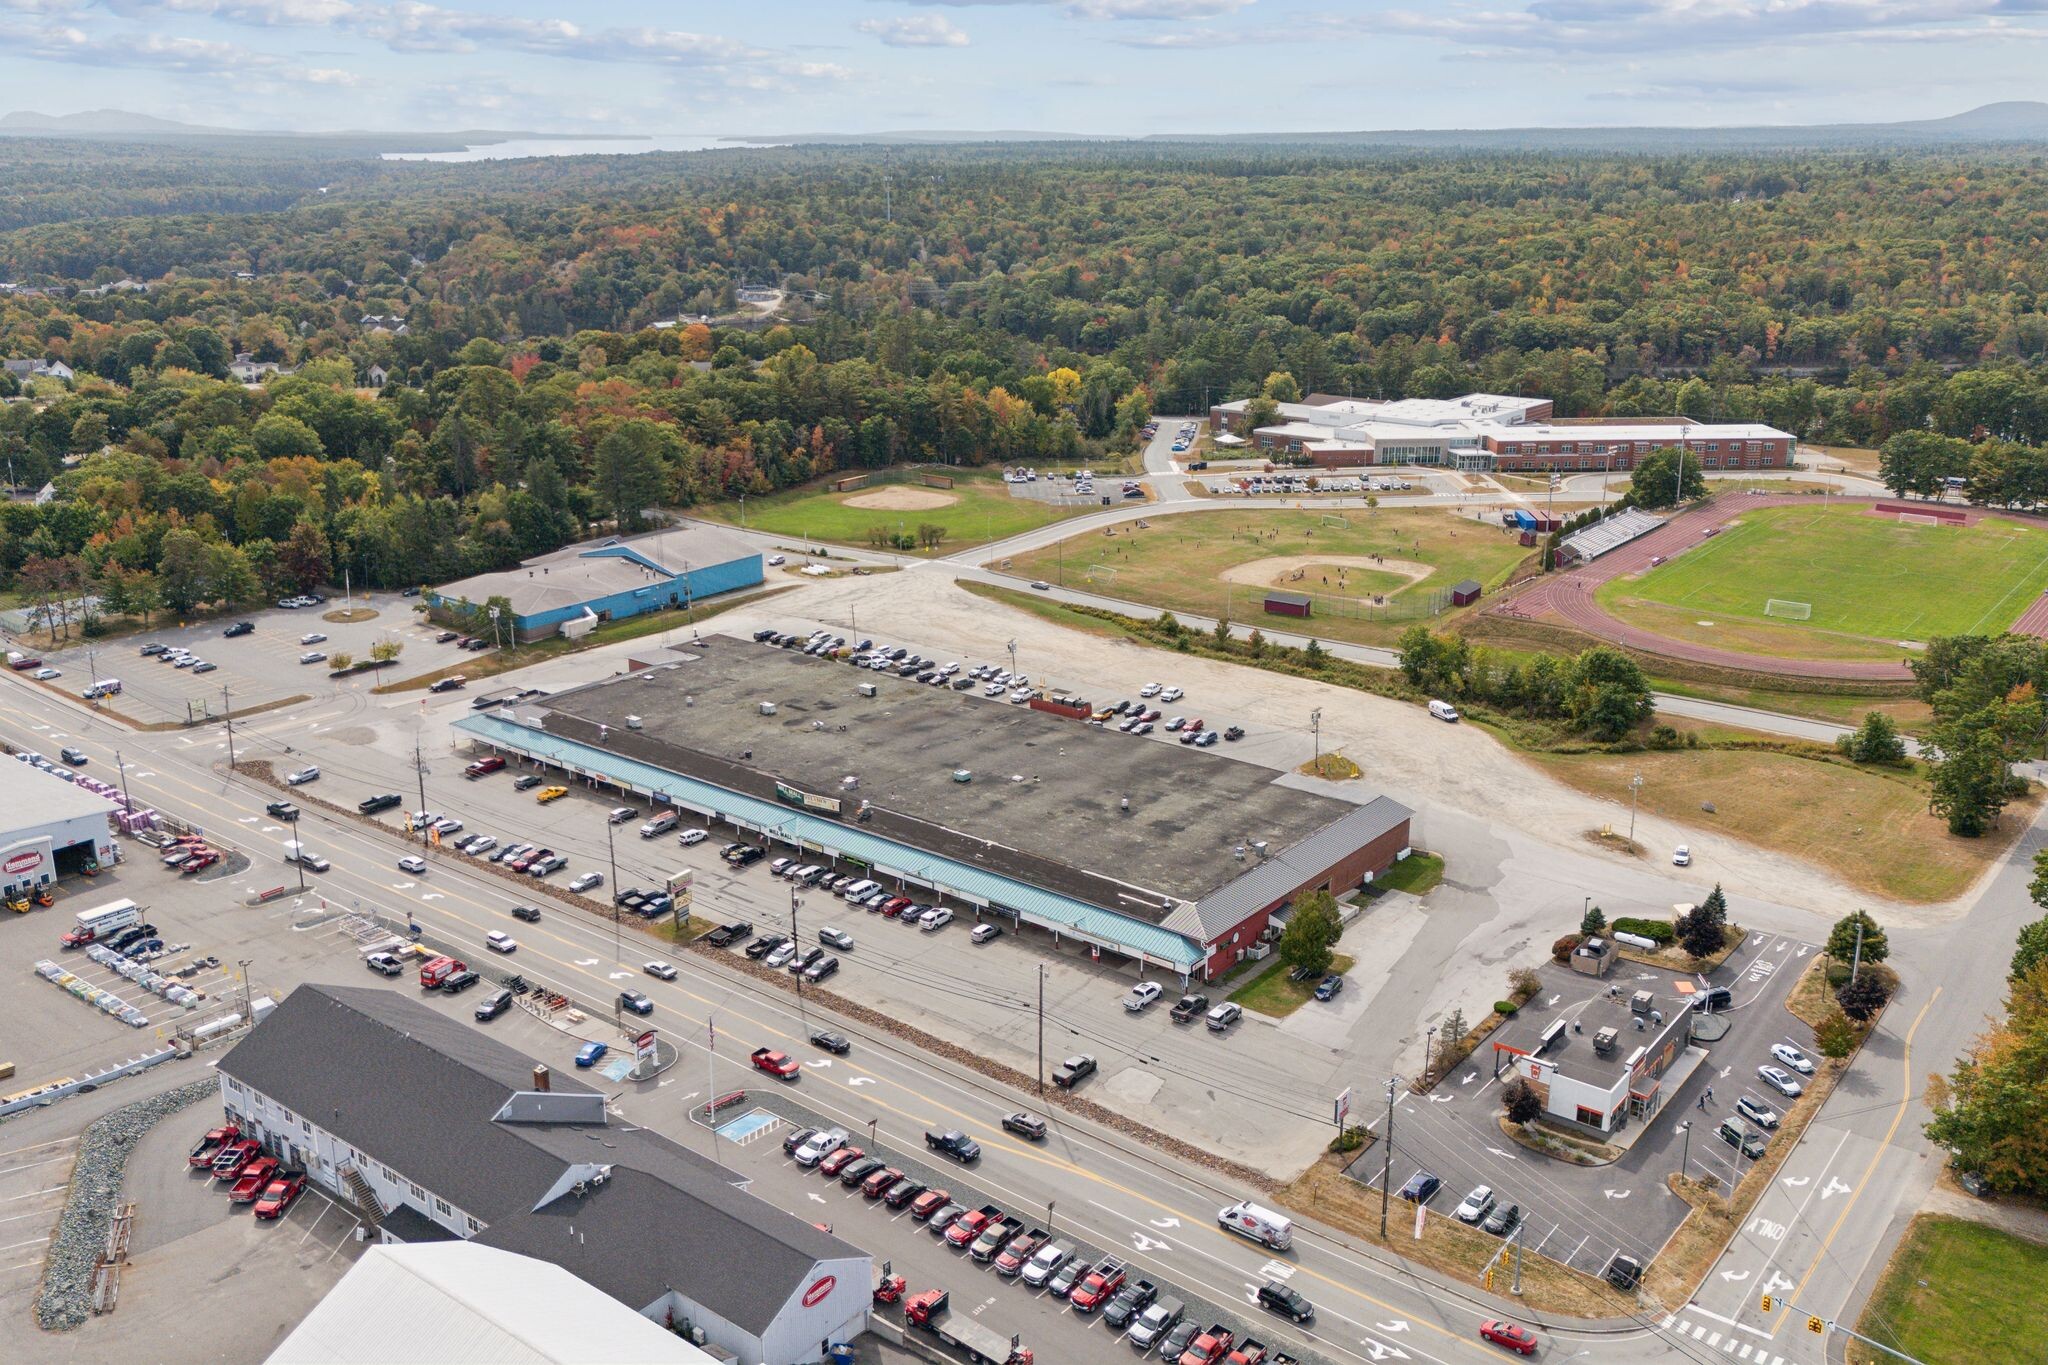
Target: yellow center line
[{"x": 1905, "y": 1100}]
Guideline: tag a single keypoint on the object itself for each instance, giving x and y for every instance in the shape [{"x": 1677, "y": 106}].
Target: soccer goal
[
  {"x": 1790, "y": 611},
  {"x": 1918, "y": 519},
  {"x": 1336, "y": 519},
  {"x": 1101, "y": 572}
]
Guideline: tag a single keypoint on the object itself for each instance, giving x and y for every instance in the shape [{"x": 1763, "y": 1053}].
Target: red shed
[
  {"x": 1466, "y": 593},
  {"x": 1288, "y": 603}
]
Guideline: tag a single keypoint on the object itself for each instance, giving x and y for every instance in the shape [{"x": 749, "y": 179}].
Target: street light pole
[
  {"x": 1635, "y": 787},
  {"x": 1428, "y": 1042},
  {"x": 1315, "y": 725},
  {"x": 243, "y": 963},
  {"x": 1685, "y": 1150}
]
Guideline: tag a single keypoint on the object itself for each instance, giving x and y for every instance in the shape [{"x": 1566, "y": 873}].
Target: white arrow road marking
[
  {"x": 669, "y": 1081},
  {"x": 860, "y": 1080},
  {"x": 1441, "y": 1099},
  {"x": 1277, "y": 1270},
  {"x": 817, "y": 1198},
  {"x": 1381, "y": 1351},
  {"x": 1775, "y": 1282},
  {"x": 1143, "y": 1243},
  {"x": 248, "y": 819},
  {"x": 1724, "y": 1072},
  {"x": 403, "y": 886},
  {"x": 1397, "y": 1325},
  {"x": 1617, "y": 1194},
  {"x": 1553, "y": 1000},
  {"x": 145, "y": 774},
  {"x": 1795, "y": 1181},
  {"x": 1166, "y": 1222},
  {"x": 1468, "y": 1078},
  {"x": 1736, "y": 1276},
  {"x": 1833, "y": 1188},
  {"x": 1804, "y": 951},
  {"x": 1756, "y": 940},
  {"x": 273, "y": 829},
  {"x": 432, "y": 896},
  {"x": 618, "y": 976},
  {"x": 1498, "y": 1152},
  {"x": 822, "y": 1061},
  {"x": 586, "y": 962}
]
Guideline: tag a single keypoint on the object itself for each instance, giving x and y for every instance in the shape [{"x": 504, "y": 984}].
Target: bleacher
[{"x": 1609, "y": 534}]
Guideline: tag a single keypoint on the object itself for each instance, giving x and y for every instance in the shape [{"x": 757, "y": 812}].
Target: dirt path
[{"x": 1271, "y": 572}]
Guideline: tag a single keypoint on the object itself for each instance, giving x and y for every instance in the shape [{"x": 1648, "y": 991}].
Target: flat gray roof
[
  {"x": 30, "y": 797},
  {"x": 582, "y": 572},
  {"x": 1043, "y": 802}
]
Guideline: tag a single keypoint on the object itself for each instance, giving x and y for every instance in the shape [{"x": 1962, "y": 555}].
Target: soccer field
[{"x": 1862, "y": 574}]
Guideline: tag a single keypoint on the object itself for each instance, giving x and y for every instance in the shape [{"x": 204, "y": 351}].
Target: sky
[{"x": 1119, "y": 67}]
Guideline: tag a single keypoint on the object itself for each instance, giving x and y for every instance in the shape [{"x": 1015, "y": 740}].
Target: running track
[{"x": 1567, "y": 598}]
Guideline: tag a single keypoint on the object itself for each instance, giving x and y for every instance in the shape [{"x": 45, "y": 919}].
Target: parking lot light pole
[
  {"x": 243, "y": 963},
  {"x": 1428, "y": 1038},
  {"x": 1635, "y": 787}
]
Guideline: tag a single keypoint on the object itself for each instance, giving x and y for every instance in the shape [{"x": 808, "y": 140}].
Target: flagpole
[{"x": 710, "y": 1083}]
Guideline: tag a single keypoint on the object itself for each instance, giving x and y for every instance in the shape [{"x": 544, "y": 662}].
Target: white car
[
  {"x": 587, "y": 881},
  {"x": 416, "y": 866},
  {"x": 780, "y": 957},
  {"x": 1793, "y": 1057},
  {"x": 693, "y": 836},
  {"x": 660, "y": 969},
  {"x": 45, "y": 674},
  {"x": 312, "y": 637},
  {"x": 838, "y": 938},
  {"x": 777, "y": 561},
  {"x": 1681, "y": 856},
  {"x": 500, "y": 942},
  {"x": 1171, "y": 695},
  {"x": 1150, "y": 690},
  {"x": 1475, "y": 1205},
  {"x": 935, "y": 919},
  {"x": 1779, "y": 1081},
  {"x": 478, "y": 843},
  {"x": 448, "y": 825},
  {"x": 1142, "y": 995},
  {"x": 313, "y": 657},
  {"x": 620, "y": 815}
]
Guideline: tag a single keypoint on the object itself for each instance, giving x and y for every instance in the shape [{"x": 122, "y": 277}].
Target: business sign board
[{"x": 827, "y": 805}]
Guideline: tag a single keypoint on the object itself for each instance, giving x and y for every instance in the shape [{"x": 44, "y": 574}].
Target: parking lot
[
  {"x": 33, "y": 1173},
  {"x": 1584, "y": 1215},
  {"x": 1063, "y": 490},
  {"x": 257, "y": 669}
]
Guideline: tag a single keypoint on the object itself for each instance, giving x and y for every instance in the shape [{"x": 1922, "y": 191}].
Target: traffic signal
[
  {"x": 1817, "y": 1326},
  {"x": 1767, "y": 1303}
]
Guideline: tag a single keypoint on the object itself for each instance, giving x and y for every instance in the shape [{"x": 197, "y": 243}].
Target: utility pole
[
  {"x": 1041, "y": 1030},
  {"x": 611, "y": 854},
  {"x": 126, "y": 799},
  {"x": 1315, "y": 725},
  {"x": 419, "y": 765},
  {"x": 795, "y": 901},
  {"x": 1635, "y": 787},
  {"x": 1386, "y": 1157},
  {"x": 228, "y": 714},
  {"x": 1012, "y": 647}
]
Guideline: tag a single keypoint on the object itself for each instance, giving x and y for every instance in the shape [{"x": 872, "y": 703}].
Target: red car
[
  {"x": 779, "y": 1064},
  {"x": 229, "y": 1161},
  {"x": 279, "y": 1196},
  {"x": 1512, "y": 1335},
  {"x": 209, "y": 1146},
  {"x": 252, "y": 1179},
  {"x": 878, "y": 1183},
  {"x": 832, "y": 1165},
  {"x": 929, "y": 1203},
  {"x": 892, "y": 908}
]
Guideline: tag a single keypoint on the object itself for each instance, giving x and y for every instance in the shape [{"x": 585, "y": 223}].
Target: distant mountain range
[
  {"x": 2010, "y": 122},
  {"x": 2013, "y": 121}
]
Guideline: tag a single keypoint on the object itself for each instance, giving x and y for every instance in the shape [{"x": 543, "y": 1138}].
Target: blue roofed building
[{"x": 575, "y": 589}]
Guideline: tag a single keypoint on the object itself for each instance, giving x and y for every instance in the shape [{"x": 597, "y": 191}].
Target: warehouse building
[
  {"x": 1086, "y": 839},
  {"x": 573, "y": 590},
  {"x": 49, "y": 828},
  {"x": 1489, "y": 431},
  {"x": 433, "y": 1131}
]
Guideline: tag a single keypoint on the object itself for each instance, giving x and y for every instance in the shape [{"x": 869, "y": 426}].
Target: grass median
[
  {"x": 1276, "y": 994},
  {"x": 1956, "y": 1291}
]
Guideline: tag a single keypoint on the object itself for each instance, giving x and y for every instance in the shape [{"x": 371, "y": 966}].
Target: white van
[
  {"x": 660, "y": 824},
  {"x": 1443, "y": 710},
  {"x": 1260, "y": 1224},
  {"x": 855, "y": 890}
]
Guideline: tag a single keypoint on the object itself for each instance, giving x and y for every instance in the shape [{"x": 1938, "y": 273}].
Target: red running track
[{"x": 1567, "y": 598}]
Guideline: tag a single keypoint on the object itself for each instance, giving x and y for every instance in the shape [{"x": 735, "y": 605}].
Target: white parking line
[
  {"x": 31, "y": 1242},
  {"x": 31, "y": 1194}
]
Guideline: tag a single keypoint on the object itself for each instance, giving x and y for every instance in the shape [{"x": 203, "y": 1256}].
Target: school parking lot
[{"x": 1584, "y": 1215}]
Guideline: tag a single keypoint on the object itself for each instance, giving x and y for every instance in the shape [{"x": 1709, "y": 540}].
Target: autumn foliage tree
[{"x": 1993, "y": 1108}]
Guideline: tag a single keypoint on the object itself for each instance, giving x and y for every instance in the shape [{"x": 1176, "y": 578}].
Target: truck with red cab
[
  {"x": 779, "y": 1064},
  {"x": 208, "y": 1147},
  {"x": 994, "y": 1237},
  {"x": 968, "y": 1225},
  {"x": 483, "y": 767},
  {"x": 1209, "y": 1347},
  {"x": 279, "y": 1194},
  {"x": 229, "y": 1161},
  {"x": 251, "y": 1181},
  {"x": 930, "y": 1310},
  {"x": 1098, "y": 1285},
  {"x": 435, "y": 972},
  {"x": 1020, "y": 1249}
]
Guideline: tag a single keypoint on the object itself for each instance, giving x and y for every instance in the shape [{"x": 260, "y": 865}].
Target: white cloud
[
  {"x": 1186, "y": 39},
  {"x": 1111, "y": 9},
  {"x": 923, "y": 30},
  {"x": 1682, "y": 25}
]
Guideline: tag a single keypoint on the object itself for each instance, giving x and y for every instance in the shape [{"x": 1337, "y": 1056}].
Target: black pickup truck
[
  {"x": 1190, "y": 1008},
  {"x": 725, "y": 935}
]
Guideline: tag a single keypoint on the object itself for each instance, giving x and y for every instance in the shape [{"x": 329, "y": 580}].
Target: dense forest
[{"x": 964, "y": 304}]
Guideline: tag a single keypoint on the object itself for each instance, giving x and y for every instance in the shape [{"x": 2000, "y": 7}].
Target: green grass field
[
  {"x": 1179, "y": 564},
  {"x": 1957, "y": 1291},
  {"x": 1862, "y": 575},
  {"x": 981, "y": 510}
]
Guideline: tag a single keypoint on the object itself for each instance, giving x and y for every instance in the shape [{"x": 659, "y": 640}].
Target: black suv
[
  {"x": 1287, "y": 1302},
  {"x": 238, "y": 628},
  {"x": 1028, "y": 1126},
  {"x": 526, "y": 913},
  {"x": 493, "y": 1005},
  {"x": 526, "y": 782},
  {"x": 1713, "y": 998},
  {"x": 460, "y": 982}
]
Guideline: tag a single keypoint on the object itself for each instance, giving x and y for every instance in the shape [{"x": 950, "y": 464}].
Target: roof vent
[{"x": 540, "y": 1079}]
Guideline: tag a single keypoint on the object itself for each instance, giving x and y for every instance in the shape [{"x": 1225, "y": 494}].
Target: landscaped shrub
[
  {"x": 1505, "y": 1008},
  {"x": 1659, "y": 931},
  {"x": 1562, "y": 950}
]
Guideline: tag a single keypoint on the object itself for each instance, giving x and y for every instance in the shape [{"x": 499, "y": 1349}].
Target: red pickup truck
[
  {"x": 969, "y": 1226},
  {"x": 208, "y": 1147},
  {"x": 1098, "y": 1285},
  {"x": 253, "y": 1178},
  {"x": 1209, "y": 1347},
  {"x": 779, "y": 1064}
]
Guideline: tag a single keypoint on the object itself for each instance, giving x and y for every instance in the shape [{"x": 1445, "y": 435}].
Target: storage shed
[
  {"x": 1464, "y": 594},
  {"x": 1288, "y": 603}
]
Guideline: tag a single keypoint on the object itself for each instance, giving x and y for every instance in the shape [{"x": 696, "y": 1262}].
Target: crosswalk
[{"x": 1729, "y": 1344}]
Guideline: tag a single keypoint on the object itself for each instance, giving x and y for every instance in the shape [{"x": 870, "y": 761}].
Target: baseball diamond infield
[{"x": 1909, "y": 585}]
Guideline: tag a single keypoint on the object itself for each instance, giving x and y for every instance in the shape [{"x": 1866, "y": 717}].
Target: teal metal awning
[{"x": 1046, "y": 909}]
